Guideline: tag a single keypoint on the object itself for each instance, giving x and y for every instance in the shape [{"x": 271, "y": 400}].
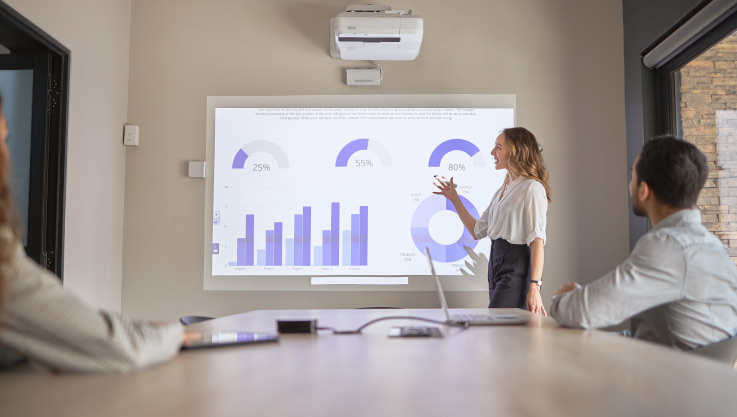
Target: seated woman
[{"x": 44, "y": 324}]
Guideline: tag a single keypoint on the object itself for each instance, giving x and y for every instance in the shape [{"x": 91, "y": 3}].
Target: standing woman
[{"x": 515, "y": 221}]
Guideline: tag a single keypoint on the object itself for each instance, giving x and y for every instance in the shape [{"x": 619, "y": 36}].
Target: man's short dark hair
[{"x": 674, "y": 169}]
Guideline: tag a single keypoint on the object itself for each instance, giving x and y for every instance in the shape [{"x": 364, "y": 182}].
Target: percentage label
[
  {"x": 261, "y": 167},
  {"x": 364, "y": 163},
  {"x": 456, "y": 167}
]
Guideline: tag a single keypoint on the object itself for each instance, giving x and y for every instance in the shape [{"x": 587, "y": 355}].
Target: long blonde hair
[
  {"x": 525, "y": 157},
  {"x": 9, "y": 225}
]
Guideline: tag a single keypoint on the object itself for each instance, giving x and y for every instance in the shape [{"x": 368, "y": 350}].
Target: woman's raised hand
[{"x": 447, "y": 188}]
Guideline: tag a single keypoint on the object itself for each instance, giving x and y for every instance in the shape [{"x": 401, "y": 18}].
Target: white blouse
[{"x": 519, "y": 217}]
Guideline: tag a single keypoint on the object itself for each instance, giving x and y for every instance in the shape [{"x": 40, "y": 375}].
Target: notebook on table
[{"x": 491, "y": 318}]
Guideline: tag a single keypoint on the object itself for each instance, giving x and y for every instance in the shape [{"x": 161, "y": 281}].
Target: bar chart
[{"x": 338, "y": 247}]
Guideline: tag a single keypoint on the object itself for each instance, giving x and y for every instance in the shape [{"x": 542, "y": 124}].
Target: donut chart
[
  {"x": 363, "y": 145},
  {"x": 421, "y": 231},
  {"x": 456, "y": 145},
  {"x": 239, "y": 161}
]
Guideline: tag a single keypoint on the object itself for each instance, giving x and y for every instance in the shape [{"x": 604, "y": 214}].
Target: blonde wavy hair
[
  {"x": 9, "y": 224},
  {"x": 525, "y": 156}
]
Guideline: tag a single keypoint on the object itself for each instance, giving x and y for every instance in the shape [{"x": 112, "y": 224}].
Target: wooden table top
[{"x": 537, "y": 369}]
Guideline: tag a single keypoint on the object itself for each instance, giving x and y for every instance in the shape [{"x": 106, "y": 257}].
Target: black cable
[{"x": 363, "y": 326}]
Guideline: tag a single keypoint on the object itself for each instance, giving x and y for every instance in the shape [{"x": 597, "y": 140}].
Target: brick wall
[{"x": 709, "y": 121}]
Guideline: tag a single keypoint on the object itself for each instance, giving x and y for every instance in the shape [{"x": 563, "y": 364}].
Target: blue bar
[
  {"x": 306, "y": 232},
  {"x": 260, "y": 257},
  {"x": 290, "y": 251},
  {"x": 326, "y": 248},
  {"x": 346, "y": 247},
  {"x": 277, "y": 243},
  {"x": 355, "y": 238},
  {"x": 240, "y": 252},
  {"x": 249, "y": 240},
  {"x": 318, "y": 256},
  {"x": 298, "y": 239},
  {"x": 334, "y": 233},
  {"x": 269, "y": 248},
  {"x": 363, "y": 257}
]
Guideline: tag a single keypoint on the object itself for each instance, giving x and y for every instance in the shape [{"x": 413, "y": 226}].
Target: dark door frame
[
  {"x": 665, "y": 82},
  {"x": 51, "y": 64}
]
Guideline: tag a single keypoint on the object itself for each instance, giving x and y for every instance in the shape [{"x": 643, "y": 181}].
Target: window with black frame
[
  {"x": 697, "y": 89},
  {"x": 34, "y": 78}
]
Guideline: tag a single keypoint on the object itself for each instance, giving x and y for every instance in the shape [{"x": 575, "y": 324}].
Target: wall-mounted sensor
[
  {"x": 196, "y": 169},
  {"x": 130, "y": 135},
  {"x": 363, "y": 76}
]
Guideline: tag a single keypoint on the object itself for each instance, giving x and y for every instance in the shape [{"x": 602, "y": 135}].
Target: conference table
[{"x": 536, "y": 369}]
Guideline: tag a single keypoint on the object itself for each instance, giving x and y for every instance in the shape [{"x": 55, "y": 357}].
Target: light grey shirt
[
  {"x": 678, "y": 284},
  {"x": 41, "y": 322}
]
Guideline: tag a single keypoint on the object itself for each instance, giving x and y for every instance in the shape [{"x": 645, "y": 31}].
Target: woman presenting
[{"x": 515, "y": 221}]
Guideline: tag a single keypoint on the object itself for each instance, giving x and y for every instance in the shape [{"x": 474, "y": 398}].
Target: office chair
[
  {"x": 187, "y": 320},
  {"x": 724, "y": 351}
]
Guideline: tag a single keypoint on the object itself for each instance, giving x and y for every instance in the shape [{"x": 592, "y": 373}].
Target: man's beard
[{"x": 638, "y": 210}]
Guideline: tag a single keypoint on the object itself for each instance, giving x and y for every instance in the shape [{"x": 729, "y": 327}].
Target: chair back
[{"x": 724, "y": 351}]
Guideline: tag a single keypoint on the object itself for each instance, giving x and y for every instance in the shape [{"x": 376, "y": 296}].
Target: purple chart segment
[
  {"x": 369, "y": 145},
  {"x": 456, "y": 145},
  {"x": 240, "y": 159},
  {"x": 260, "y": 146},
  {"x": 421, "y": 230}
]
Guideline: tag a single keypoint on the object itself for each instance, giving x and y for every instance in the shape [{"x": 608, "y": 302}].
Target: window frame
[{"x": 666, "y": 118}]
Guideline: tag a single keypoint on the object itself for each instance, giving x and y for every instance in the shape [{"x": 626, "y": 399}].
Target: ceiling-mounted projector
[{"x": 371, "y": 32}]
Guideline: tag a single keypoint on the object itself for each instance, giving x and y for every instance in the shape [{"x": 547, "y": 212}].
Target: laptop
[{"x": 490, "y": 318}]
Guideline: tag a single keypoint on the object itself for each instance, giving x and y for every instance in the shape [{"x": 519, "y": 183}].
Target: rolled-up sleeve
[
  {"x": 535, "y": 213},
  {"x": 481, "y": 230}
]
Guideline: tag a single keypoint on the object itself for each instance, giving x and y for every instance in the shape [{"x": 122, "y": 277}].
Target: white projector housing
[{"x": 369, "y": 32}]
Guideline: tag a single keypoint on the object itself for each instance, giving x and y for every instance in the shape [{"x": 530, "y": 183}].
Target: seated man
[{"x": 678, "y": 285}]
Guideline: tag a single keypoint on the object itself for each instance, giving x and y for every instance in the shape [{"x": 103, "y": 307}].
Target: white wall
[
  {"x": 562, "y": 58},
  {"x": 98, "y": 35}
]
